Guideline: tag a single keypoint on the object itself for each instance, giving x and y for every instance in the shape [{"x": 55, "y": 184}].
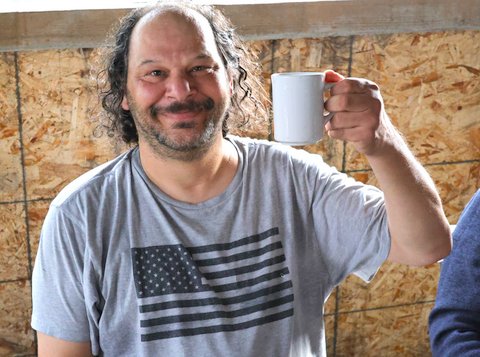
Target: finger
[
  {"x": 338, "y": 128},
  {"x": 354, "y": 85},
  {"x": 350, "y": 120},
  {"x": 342, "y": 121},
  {"x": 353, "y": 135},
  {"x": 351, "y": 102},
  {"x": 332, "y": 76}
]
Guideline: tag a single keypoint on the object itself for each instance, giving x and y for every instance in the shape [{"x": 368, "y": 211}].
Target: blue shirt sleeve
[{"x": 454, "y": 322}]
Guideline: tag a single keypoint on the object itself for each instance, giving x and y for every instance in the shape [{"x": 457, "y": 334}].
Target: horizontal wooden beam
[{"x": 88, "y": 28}]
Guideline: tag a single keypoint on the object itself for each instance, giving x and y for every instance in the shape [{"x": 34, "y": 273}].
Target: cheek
[
  {"x": 147, "y": 94},
  {"x": 222, "y": 86}
]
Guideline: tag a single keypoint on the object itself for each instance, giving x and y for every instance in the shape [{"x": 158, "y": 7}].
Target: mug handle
[{"x": 329, "y": 116}]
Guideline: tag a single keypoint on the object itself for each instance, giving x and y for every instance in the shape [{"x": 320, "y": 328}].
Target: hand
[{"x": 360, "y": 117}]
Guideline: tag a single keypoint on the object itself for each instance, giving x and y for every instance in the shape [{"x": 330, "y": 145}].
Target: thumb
[{"x": 332, "y": 76}]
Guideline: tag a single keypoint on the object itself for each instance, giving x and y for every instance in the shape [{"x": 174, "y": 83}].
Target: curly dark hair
[{"x": 238, "y": 61}]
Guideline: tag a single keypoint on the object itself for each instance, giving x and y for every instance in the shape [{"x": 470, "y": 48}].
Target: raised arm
[
  {"x": 49, "y": 346},
  {"x": 418, "y": 227}
]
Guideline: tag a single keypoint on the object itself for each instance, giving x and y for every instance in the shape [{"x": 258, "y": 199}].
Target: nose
[{"x": 179, "y": 87}]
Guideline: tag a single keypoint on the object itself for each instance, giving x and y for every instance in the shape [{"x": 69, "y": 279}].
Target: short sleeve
[
  {"x": 57, "y": 290},
  {"x": 351, "y": 226}
]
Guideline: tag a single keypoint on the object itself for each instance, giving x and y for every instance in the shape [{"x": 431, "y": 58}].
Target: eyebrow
[{"x": 199, "y": 57}]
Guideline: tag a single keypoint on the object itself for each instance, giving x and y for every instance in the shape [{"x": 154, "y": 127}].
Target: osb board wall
[{"x": 431, "y": 87}]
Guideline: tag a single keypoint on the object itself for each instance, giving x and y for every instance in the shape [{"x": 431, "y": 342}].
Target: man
[
  {"x": 455, "y": 320},
  {"x": 197, "y": 243}
]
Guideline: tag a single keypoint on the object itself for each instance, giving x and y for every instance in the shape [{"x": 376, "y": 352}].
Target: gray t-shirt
[{"x": 245, "y": 273}]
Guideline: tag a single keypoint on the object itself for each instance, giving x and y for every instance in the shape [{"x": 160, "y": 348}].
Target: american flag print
[{"x": 187, "y": 291}]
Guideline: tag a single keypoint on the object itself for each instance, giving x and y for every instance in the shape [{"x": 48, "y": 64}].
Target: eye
[
  {"x": 199, "y": 68},
  {"x": 203, "y": 69},
  {"x": 156, "y": 73}
]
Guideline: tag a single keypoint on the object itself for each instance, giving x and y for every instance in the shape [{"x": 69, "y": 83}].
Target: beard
[{"x": 185, "y": 140}]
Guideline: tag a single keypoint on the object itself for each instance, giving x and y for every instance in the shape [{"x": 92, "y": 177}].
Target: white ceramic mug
[{"x": 298, "y": 107}]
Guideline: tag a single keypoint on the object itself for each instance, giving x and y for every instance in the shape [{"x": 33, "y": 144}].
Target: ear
[{"x": 124, "y": 103}]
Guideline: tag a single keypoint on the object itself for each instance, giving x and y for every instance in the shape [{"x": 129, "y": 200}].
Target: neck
[{"x": 192, "y": 181}]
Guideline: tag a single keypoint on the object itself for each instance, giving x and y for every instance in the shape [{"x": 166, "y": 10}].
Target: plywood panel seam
[
  {"x": 424, "y": 302},
  {"x": 22, "y": 160},
  {"x": 9, "y": 281},
  {"x": 445, "y": 163},
  {"x": 344, "y": 166},
  {"x": 442, "y": 163},
  {"x": 335, "y": 321},
  {"x": 11, "y": 202},
  {"x": 41, "y": 199},
  {"x": 349, "y": 73}
]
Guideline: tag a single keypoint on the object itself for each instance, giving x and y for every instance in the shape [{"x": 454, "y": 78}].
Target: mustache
[{"x": 187, "y": 106}]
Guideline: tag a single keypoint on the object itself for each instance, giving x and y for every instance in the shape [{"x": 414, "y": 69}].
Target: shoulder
[
  {"x": 270, "y": 150},
  {"x": 469, "y": 223},
  {"x": 472, "y": 209},
  {"x": 91, "y": 181}
]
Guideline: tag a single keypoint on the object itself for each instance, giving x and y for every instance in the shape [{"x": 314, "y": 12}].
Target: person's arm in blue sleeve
[{"x": 455, "y": 319}]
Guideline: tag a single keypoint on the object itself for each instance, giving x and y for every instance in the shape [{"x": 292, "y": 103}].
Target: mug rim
[{"x": 297, "y": 74}]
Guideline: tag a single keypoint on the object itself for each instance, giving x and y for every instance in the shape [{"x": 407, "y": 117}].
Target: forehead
[{"x": 164, "y": 27}]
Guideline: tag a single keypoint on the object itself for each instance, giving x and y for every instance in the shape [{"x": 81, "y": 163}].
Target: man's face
[{"x": 178, "y": 89}]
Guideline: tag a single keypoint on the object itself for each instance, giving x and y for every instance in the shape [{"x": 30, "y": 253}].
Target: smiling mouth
[
  {"x": 184, "y": 125},
  {"x": 184, "y": 115},
  {"x": 183, "y": 109}
]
